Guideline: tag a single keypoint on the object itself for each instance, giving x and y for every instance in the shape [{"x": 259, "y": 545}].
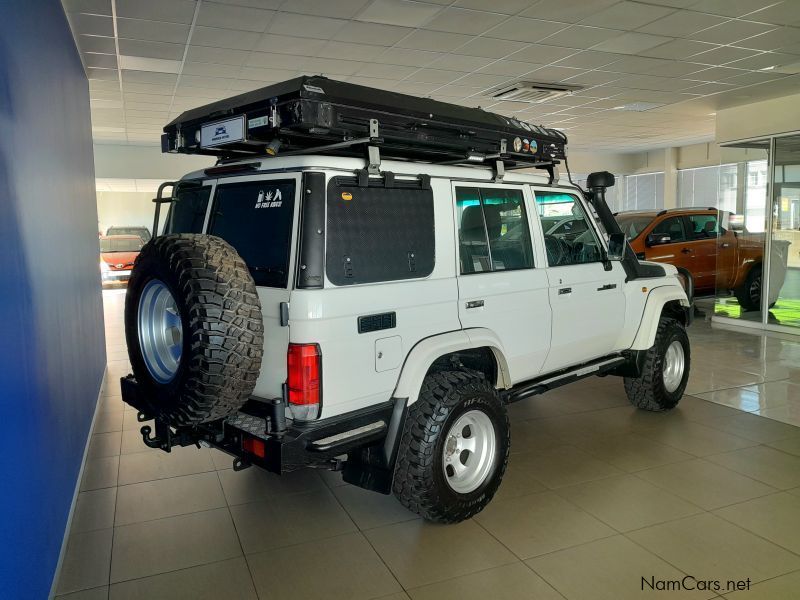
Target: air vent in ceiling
[
  {"x": 528, "y": 91},
  {"x": 639, "y": 106}
]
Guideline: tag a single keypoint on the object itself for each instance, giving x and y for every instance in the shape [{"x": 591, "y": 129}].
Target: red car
[{"x": 117, "y": 253}]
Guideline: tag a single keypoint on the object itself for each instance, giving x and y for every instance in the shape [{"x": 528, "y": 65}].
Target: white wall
[
  {"x": 144, "y": 162},
  {"x": 770, "y": 117},
  {"x": 125, "y": 209}
]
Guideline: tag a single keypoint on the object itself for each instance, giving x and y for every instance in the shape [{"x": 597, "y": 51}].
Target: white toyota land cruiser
[{"x": 364, "y": 281}]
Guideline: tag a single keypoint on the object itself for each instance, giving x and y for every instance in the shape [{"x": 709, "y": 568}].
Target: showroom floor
[{"x": 598, "y": 498}]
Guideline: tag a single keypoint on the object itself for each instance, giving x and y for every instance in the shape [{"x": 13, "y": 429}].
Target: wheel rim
[
  {"x": 755, "y": 290},
  {"x": 469, "y": 449},
  {"x": 674, "y": 366},
  {"x": 160, "y": 331}
]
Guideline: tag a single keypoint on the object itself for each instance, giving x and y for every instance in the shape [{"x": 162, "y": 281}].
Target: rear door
[
  {"x": 588, "y": 301},
  {"x": 502, "y": 286},
  {"x": 256, "y": 215}
]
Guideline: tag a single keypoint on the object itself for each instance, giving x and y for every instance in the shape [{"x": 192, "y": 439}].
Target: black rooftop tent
[{"x": 316, "y": 114}]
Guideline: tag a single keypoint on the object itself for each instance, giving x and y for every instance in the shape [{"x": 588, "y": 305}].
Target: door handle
[
  {"x": 686, "y": 250},
  {"x": 563, "y": 291},
  {"x": 474, "y": 303},
  {"x": 608, "y": 286}
]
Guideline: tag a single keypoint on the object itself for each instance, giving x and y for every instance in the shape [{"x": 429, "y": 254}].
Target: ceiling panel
[
  {"x": 691, "y": 56},
  {"x": 627, "y": 15}
]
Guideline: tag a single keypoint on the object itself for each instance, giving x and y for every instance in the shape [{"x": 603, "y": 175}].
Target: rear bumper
[{"x": 316, "y": 443}]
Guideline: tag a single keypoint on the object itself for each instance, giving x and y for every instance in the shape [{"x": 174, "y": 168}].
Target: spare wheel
[{"x": 194, "y": 328}]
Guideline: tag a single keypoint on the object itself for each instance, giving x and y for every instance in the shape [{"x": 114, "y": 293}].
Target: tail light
[{"x": 304, "y": 382}]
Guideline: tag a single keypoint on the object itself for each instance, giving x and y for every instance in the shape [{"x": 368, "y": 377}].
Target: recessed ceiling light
[{"x": 140, "y": 63}]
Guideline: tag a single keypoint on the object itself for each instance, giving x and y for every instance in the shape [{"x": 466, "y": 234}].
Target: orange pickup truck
[{"x": 707, "y": 250}]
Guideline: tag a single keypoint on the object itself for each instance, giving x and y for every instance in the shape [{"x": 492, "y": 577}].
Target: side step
[{"x": 554, "y": 380}]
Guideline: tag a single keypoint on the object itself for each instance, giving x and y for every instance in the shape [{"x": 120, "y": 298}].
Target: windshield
[
  {"x": 633, "y": 225},
  {"x": 121, "y": 245},
  {"x": 142, "y": 232}
]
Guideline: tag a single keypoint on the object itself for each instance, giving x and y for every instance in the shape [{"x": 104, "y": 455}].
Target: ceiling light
[{"x": 140, "y": 63}]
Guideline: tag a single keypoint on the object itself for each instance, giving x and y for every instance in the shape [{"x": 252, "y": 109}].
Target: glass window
[
  {"x": 673, "y": 227},
  {"x": 255, "y": 217},
  {"x": 187, "y": 212},
  {"x": 568, "y": 235},
  {"x": 493, "y": 230},
  {"x": 121, "y": 244},
  {"x": 709, "y": 186},
  {"x": 633, "y": 225},
  {"x": 644, "y": 192},
  {"x": 704, "y": 226},
  {"x": 378, "y": 233}
]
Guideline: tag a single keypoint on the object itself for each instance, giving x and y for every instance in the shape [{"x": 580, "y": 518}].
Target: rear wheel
[
  {"x": 454, "y": 448},
  {"x": 749, "y": 293},
  {"x": 194, "y": 328},
  {"x": 665, "y": 372}
]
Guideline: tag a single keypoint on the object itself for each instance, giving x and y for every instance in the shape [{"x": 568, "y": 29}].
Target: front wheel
[
  {"x": 665, "y": 372},
  {"x": 454, "y": 448}
]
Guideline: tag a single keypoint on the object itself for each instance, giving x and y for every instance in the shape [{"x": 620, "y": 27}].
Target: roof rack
[{"x": 319, "y": 115}]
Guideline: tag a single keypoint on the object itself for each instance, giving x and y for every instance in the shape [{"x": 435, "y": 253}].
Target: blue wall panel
[{"x": 51, "y": 323}]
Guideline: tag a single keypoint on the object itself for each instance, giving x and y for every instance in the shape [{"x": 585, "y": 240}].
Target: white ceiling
[{"x": 149, "y": 60}]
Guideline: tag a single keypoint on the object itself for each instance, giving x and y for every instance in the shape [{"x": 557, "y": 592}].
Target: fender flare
[
  {"x": 426, "y": 351},
  {"x": 657, "y": 298}
]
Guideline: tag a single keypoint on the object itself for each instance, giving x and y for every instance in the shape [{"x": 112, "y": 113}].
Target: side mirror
[
  {"x": 656, "y": 239},
  {"x": 616, "y": 246}
]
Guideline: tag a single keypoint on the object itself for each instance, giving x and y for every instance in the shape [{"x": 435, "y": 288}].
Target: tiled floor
[{"x": 597, "y": 496}]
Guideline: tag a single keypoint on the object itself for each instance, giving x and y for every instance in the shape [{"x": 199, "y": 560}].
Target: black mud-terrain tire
[
  {"x": 647, "y": 391},
  {"x": 419, "y": 477},
  {"x": 747, "y": 298},
  {"x": 223, "y": 331}
]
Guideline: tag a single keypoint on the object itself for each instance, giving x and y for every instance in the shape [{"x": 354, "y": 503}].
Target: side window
[
  {"x": 187, "y": 212},
  {"x": 673, "y": 227},
  {"x": 493, "y": 232},
  {"x": 256, "y": 217},
  {"x": 568, "y": 234},
  {"x": 704, "y": 227},
  {"x": 378, "y": 233}
]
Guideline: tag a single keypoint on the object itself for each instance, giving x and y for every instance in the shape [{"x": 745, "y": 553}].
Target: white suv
[{"x": 300, "y": 311}]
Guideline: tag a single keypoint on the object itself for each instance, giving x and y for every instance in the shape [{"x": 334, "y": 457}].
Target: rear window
[
  {"x": 187, "y": 213},
  {"x": 632, "y": 225},
  {"x": 255, "y": 217},
  {"x": 121, "y": 245},
  {"x": 379, "y": 233}
]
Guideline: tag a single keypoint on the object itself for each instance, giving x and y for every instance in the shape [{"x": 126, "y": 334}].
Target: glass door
[
  {"x": 784, "y": 249},
  {"x": 741, "y": 235}
]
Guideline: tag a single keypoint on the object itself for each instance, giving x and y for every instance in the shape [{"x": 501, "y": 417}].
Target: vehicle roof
[
  {"x": 653, "y": 212},
  {"x": 305, "y": 162}
]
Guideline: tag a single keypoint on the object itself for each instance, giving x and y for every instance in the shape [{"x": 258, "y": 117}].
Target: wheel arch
[
  {"x": 667, "y": 300},
  {"x": 477, "y": 349}
]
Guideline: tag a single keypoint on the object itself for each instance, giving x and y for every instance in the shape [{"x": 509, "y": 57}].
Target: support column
[{"x": 670, "y": 178}]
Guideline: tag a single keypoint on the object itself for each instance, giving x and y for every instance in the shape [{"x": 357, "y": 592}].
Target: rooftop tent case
[{"x": 316, "y": 114}]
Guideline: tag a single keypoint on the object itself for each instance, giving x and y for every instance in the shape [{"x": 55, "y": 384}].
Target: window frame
[
  {"x": 533, "y": 244},
  {"x": 682, "y": 220},
  {"x": 689, "y": 226},
  {"x": 593, "y": 226},
  {"x": 293, "y": 239}
]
